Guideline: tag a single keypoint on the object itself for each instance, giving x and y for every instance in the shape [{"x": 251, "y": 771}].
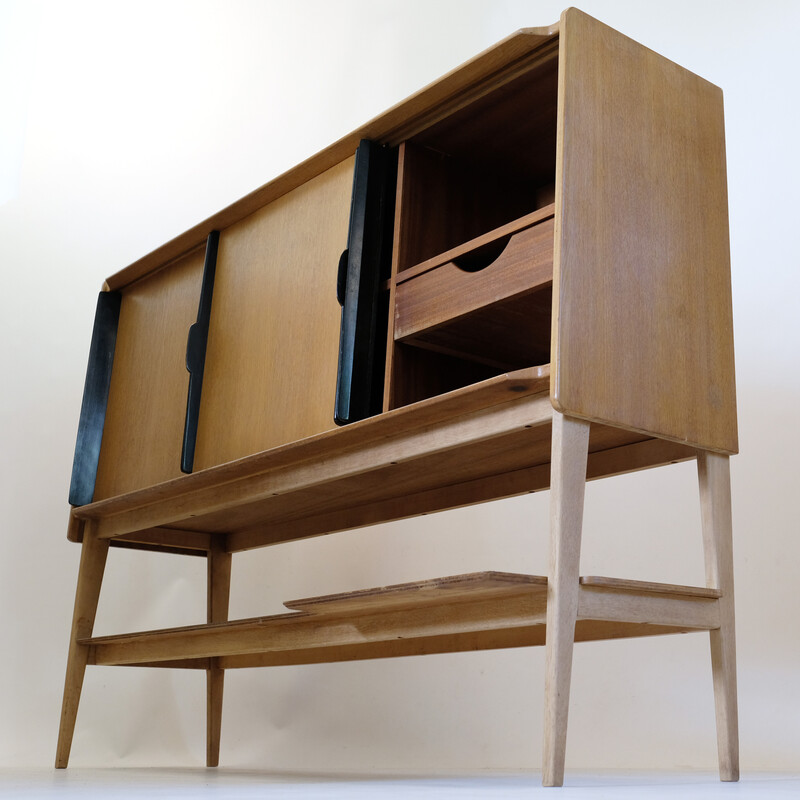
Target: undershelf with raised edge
[{"x": 479, "y": 611}]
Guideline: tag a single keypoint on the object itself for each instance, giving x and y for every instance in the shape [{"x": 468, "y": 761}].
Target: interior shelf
[{"x": 483, "y": 610}]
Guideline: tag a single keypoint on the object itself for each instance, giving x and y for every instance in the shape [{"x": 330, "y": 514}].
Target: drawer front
[{"x": 448, "y": 292}]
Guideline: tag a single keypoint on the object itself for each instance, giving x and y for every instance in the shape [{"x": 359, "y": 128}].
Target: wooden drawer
[{"x": 519, "y": 262}]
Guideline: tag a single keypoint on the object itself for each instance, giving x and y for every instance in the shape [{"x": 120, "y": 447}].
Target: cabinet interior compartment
[
  {"x": 485, "y": 165},
  {"x": 420, "y": 373},
  {"x": 473, "y": 247},
  {"x": 491, "y": 341}
]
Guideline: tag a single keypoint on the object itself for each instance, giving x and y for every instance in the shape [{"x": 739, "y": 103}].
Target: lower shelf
[{"x": 480, "y": 611}]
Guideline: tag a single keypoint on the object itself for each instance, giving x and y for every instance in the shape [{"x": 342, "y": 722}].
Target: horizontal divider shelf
[{"x": 485, "y": 610}]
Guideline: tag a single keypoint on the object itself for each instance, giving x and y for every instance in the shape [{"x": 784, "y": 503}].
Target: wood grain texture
[
  {"x": 452, "y": 589},
  {"x": 494, "y": 80},
  {"x": 94, "y": 552},
  {"x": 433, "y": 482},
  {"x": 492, "y": 159},
  {"x": 663, "y": 608},
  {"x": 300, "y": 631},
  {"x": 463, "y": 612},
  {"x": 160, "y": 540},
  {"x": 503, "y": 336},
  {"x": 642, "y": 266},
  {"x": 568, "y": 480},
  {"x": 143, "y": 432},
  {"x": 532, "y": 635},
  {"x": 496, "y": 391},
  {"x": 515, "y": 226},
  {"x": 75, "y": 527},
  {"x": 637, "y": 254},
  {"x": 230, "y": 500},
  {"x": 476, "y": 446},
  {"x": 270, "y": 370},
  {"x": 447, "y": 292},
  {"x": 218, "y": 597},
  {"x": 390, "y": 368},
  {"x": 173, "y": 538},
  {"x": 602, "y": 463},
  {"x": 715, "y": 509},
  {"x": 316, "y": 487},
  {"x": 422, "y": 373},
  {"x": 448, "y": 201},
  {"x": 648, "y": 587}
]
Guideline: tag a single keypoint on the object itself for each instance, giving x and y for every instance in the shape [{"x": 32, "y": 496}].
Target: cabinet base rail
[{"x": 486, "y": 610}]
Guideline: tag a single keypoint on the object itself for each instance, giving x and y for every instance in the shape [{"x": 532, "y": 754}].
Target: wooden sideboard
[{"x": 516, "y": 279}]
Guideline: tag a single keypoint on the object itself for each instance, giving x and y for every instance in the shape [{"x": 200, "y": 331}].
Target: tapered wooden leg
[
  {"x": 715, "y": 507},
  {"x": 567, "y": 482},
  {"x": 219, "y": 588},
  {"x": 90, "y": 577}
]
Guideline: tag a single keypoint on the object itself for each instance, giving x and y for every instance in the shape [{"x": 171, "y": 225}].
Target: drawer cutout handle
[{"x": 482, "y": 257}]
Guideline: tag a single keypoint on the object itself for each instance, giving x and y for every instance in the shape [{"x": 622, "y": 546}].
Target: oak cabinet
[{"x": 516, "y": 279}]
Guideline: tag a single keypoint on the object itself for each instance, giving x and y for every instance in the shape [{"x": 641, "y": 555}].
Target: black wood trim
[
  {"x": 196, "y": 353},
  {"x": 362, "y": 339},
  {"x": 95, "y": 398}
]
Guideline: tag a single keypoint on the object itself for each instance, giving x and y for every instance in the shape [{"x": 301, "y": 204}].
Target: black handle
[
  {"x": 95, "y": 398},
  {"x": 359, "y": 383},
  {"x": 196, "y": 344},
  {"x": 341, "y": 276}
]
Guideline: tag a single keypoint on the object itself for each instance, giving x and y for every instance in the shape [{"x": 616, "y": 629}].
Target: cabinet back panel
[
  {"x": 270, "y": 371},
  {"x": 642, "y": 330},
  {"x": 143, "y": 431}
]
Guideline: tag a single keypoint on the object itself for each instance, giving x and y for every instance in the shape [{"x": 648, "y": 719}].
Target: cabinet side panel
[
  {"x": 146, "y": 408},
  {"x": 642, "y": 330},
  {"x": 271, "y": 360}
]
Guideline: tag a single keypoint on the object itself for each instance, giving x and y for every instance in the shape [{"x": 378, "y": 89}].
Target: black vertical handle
[
  {"x": 95, "y": 398},
  {"x": 196, "y": 353},
  {"x": 361, "y": 266}
]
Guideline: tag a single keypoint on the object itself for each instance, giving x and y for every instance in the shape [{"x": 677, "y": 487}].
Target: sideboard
[{"x": 518, "y": 278}]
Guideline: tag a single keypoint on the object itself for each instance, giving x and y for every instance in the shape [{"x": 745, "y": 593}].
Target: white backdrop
[{"x": 121, "y": 125}]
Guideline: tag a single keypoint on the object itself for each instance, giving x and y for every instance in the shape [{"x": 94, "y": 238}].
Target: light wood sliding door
[
  {"x": 270, "y": 370},
  {"x": 143, "y": 431}
]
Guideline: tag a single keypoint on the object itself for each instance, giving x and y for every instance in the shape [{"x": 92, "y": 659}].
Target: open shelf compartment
[
  {"x": 489, "y": 162},
  {"x": 473, "y": 242}
]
